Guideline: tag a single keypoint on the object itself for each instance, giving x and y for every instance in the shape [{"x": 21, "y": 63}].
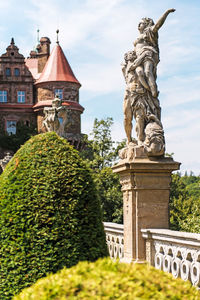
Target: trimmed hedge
[
  {"x": 50, "y": 213},
  {"x": 105, "y": 280}
]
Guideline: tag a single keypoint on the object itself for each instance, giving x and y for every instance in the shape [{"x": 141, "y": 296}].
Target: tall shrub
[
  {"x": 49, "y": 213},
  {"x": 106, "y": 280}
]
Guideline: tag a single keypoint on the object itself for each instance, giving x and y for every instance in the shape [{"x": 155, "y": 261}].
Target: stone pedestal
[{"x": 146, "y": 188}]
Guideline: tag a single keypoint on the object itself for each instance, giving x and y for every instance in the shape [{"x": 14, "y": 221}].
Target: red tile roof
[
  {"x": 32, "y": 64},
  {"x": 57, "y": 68}
]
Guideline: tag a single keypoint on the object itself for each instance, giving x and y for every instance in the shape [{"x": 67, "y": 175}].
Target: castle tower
[{"x": 57, "y": 78}]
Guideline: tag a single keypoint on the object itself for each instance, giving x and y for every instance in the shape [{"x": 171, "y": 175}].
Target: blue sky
[{"x": 95, "y": 34}]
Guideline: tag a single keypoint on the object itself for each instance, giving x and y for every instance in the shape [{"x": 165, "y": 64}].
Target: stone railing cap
[{"x": 172, "y": 236}]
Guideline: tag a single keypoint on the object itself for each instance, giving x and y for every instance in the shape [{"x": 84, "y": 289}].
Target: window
[
  {"x": 17, "y": 72},
  {"x": 59, "y": 93},
  {"x": 11, "y": 127},
  {"x": 8, "y": 72},
  {"x": 3, "y": 96},
  {"x": 60, "y": 120},
  {"x": 21, "y": 95}
]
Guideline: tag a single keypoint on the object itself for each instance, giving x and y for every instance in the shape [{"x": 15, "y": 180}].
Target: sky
[{"x": 95, "y": 34}]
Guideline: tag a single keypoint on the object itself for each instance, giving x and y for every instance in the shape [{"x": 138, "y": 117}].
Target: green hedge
[
  {"x": 105, "y": 280},
  {"x": 50, "y": 213}
]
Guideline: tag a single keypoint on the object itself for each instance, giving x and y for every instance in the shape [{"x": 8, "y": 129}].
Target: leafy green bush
[
  {"x": 106, "y": 279},
  {"x": 50, "y": 213}
]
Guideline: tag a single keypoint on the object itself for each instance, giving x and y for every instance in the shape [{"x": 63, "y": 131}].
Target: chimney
[{"x": 43, "y": 50}]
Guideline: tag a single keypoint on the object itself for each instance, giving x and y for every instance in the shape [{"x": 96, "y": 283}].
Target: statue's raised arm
[{"x": 162, "y": 19}]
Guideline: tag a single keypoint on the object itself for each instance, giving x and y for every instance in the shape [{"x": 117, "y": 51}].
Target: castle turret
[{"x": 58, "y": 79}]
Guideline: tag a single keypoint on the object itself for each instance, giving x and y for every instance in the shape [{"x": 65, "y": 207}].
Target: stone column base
[{"x": 146, "y": 187}]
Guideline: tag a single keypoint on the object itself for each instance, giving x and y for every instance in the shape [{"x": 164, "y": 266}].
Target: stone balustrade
[
  {"x": 115, "y": 239},
  {"x": 171, "y": 251},
  {"x": 5, "y": 160},
  {"x": 174, "y": 252}
]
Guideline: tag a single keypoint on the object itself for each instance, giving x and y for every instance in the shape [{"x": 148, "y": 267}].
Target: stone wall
[{"x": 46, "y": 91}]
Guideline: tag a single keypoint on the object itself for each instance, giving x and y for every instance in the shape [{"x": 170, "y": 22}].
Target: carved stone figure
[
  {"x": 141, "y": 94},
  {"x": 51, "y": 121},
  {"x": 60, "y": 119}
]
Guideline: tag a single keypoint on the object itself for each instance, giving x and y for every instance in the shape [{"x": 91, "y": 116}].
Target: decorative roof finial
[
  {"x": 38, "y": 38},
  {"x": 57, "y": 31},
  {"x": 12, "y": 41}
]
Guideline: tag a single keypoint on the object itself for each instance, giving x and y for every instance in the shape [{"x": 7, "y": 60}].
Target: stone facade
[
  {"x": 16, "y": 89},
  {"x": 46, "y": 90}
]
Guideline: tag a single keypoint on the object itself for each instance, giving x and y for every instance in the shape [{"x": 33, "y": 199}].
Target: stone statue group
[{"x": 141, "y": 94}]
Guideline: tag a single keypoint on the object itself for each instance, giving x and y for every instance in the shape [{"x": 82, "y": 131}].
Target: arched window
[
  {"x": 17, "y": 72},
  {"x": 11, "y": 127},
  {"x": 8, "y": 72}
]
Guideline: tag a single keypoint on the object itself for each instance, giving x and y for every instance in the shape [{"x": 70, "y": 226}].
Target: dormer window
[
  {"x": 21, "y": 96},
  {"x": 17, "y": 72},
  {"x": 59, "y": 93},
  {"x": 8, "y": 72},
  {"x": 3, "y": 96}
]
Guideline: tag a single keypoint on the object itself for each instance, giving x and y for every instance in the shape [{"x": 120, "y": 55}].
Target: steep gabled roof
[{"x": 57, "y": 68}]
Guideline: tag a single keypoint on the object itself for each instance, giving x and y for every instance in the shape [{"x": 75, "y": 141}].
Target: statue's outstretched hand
[{"x": 171, "y": 10}]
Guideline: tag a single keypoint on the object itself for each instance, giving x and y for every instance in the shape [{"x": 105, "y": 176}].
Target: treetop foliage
[{"x": 185, "y": 203}]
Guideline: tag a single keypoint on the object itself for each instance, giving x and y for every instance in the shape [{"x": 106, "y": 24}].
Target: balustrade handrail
[
  {"x": 114, "y": 227},
  {"x": 174, "y": 252},
  {"x": 178, "y": 237}
]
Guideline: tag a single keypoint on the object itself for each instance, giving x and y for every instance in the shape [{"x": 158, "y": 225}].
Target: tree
[
  {"x": 14, "y": 141},
  {"x": 101, "y": 152},
  {"x": 185, "y": 203}
]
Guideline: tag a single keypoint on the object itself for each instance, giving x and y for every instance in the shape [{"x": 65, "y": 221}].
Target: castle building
[
  {"x": 16, "y": 90},
  {"x": 29, "y": 85}
]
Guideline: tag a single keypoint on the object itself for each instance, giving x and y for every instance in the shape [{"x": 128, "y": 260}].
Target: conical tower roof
[{"x": 57, "y": 68}]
